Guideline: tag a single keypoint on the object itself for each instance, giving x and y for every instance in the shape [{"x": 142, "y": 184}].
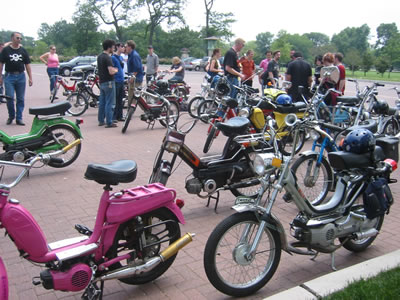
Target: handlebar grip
[
  {"x": 73, "y": 144},
  {"x": 379, "y": 84},
  {"x": 331, "y": 126},
  {"x": 56, "y": 160}
]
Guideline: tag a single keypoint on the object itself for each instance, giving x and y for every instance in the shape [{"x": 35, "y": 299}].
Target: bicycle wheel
[
  {"x": 207, "y": 107},
  {"x": 54, "y": 93},
  {"x": 79, "y": 104},
  {"x": 210, "y": 138},
  {"x": 285, "y": 144},
  {"x": 391, "y": 127},
  {"x": 169, "y": 116},
  {"x": 64, "y": 135},
  {"x": 194, "y": 105},
  {"x": 227, "y": 262},
  {"x": 128, "y": 118},
  {"x": 315, "y": 180},
  {"x": 128, "y": 239}
]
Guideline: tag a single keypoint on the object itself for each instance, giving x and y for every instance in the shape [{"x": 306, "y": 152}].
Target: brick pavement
[{"x": 60, "y": 198}]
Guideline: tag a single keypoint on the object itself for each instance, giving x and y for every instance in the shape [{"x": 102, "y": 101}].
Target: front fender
[
  {"x": 308, "y": 152},
  {"x": 277, "y": 225},
  {"x": 3, "y": 281}
]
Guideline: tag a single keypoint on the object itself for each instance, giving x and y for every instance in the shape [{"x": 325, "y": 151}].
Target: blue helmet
[
  {"x": 284, "y": 99},
  {"x": 359, "y": 141}
]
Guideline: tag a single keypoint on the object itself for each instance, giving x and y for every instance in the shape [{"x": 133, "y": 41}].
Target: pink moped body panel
[
  {"x": 24, "y": 230},
  {"x": 138, "y": 201},
  {"x": 3, "y": 281}
]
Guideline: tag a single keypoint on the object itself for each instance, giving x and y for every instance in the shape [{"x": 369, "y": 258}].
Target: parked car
[
  {"x": 204, "y": 61},
  {"x": 193, "y": 64},
  {"x": 84, "y": 70},
  {"x": 66, "y": 67}
]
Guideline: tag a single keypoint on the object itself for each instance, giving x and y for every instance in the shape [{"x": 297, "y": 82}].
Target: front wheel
[
  {"x": 391, "y": 127},
  {"x": 285, "y": 144},
  {"x": 194, "y": 105},
  {"x": 79, "y": 104},
  {"x": 229, "y": 266},
  {"x": 128, "y": 118},
  {"x": 64, "y": 135},
  {"x": 207, "y": 107},
  {"x": 169, "y": 115},
  {"x": 54, "y": 92},
  {"x": 313, "y": 178},
  {"x": 132, "y": 238}
]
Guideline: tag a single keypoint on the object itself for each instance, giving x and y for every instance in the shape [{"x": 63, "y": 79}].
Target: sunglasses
[
  {"x": 18, "y": 38},
  {"x": 53, "y": 49}
]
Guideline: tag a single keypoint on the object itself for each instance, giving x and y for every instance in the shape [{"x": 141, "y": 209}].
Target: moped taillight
[{"x": 180, "y": 203}]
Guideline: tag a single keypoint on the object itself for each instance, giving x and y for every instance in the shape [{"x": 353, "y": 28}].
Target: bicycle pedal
[{"x": 82, "y": 229}]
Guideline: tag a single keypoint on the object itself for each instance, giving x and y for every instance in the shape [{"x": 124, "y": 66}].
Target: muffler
[{"x": 128, "y": 271}]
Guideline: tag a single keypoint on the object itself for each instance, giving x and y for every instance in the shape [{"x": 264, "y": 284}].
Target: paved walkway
[{"x": 60, "y": 198}]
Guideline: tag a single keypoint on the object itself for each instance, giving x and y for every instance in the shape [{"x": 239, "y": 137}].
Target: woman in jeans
[{"x": 50, "y": 59}]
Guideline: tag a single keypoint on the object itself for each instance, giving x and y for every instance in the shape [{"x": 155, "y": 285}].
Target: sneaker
[
  {"x": 102, "y": 124},
  {"x": 111, "y": 125},
  {"x": 9, "y": 121},
  {"x": 19, "y": 122}
]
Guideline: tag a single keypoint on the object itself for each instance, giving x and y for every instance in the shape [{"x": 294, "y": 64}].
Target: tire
[
  {"x": 197, "y": 68},
  {"x": 128, "y": 118},
  {"x": 285, "y": 143},
  {"x": 66, "y": 72},
  {"x": 194, "y": 105},
  {"x": 391, "y": 127},
  {"x": 54, "y": 93},
  {"x": 79, "y": 104},
  {"x": 207, "y": 107},
  {"x": 360, "y": 245},
  {"x": 65, "y": 135},
  {"x": 314, "y": 190},
  {"x": 171, "y": 114},
  {"x": 127, "y": 240},
  {"x": 226, "y": 267},
  {"x": 210, "y": 138}
]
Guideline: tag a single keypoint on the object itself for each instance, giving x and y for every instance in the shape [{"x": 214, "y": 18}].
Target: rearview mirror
[{"x": 330, "y": 74}]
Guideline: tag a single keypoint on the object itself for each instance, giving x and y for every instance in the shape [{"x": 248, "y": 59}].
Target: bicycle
[{"x": 62, "y": 82}]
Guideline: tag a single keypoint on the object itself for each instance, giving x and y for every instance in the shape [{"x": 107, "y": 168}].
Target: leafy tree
[
  {"x": 353, "y": 59},
  {"x": 111, "y": 12},
  {"x": 318, "y": 39},
  {"x": 301, "y": 43},
  {"x": 160, "y": 11},
  {"x": 367, "y": 61},
  {"x": 208, "y": 5},
  {"x": 392, "y": 51},
  {"x": 281, "y": 43},
  {"x": 220, "y": 25},
  {"x": 263, "y": 42},
  {"x": 384, "y": 33},
  {"x": 61, "y": 34},
  {"x": 352, "y": 37},
  {"x": 183, "y": 38},
  {"x": 382, "y": 64}
]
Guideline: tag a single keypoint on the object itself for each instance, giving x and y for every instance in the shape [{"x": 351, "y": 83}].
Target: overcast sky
[{"x": 253, "y": 16}]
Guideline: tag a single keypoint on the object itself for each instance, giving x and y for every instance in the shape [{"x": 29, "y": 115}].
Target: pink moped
[{"x": 135, "y": 239}]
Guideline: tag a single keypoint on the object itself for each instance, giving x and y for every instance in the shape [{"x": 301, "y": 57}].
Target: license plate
[{"x": 245, "y": 200}]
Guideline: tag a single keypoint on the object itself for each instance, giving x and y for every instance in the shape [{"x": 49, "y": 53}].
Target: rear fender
[
  {"x": 273, "y": 224},
  {"x": 3, "y": 281}
]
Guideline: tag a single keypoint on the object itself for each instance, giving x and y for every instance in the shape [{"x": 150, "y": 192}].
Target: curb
[{"x": 338, "y": 280}]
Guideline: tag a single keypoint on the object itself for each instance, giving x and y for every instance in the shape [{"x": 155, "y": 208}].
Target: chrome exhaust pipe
[
  {"x": 128, "y": 271},
  {"x": 366, "y": 234}
]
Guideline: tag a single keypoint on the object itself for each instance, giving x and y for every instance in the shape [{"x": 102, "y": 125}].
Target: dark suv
[{"x": 66, "y": 67}]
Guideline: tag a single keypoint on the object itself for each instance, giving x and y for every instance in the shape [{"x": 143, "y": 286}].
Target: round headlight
[
  {"x": 262, "y": 162},
  {"x": 137, "y": 93},
  {"x": 314, "y": 135},
  {"x": 244, "y": 112}
]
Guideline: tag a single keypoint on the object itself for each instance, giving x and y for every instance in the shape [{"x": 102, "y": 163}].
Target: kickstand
[
  {"x": 92, "y": 292},
  {"x": 216, "y": 198},
  {"x": 151, "y": 123},
  {"x": 333, "y": 261},
  {"x": 315, "y": 256}
]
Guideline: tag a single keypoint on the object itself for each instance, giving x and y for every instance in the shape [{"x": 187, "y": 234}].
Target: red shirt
[
  {"x": 247, "y": 66},
  {"x": 342, "y": 76}
]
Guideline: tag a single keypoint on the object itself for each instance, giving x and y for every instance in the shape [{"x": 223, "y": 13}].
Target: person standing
[
  {"x": 118, "y": 62},
  {"x": 248, "y": 67},
  {"x": 342, "y": 72},
  {"x": 1, "y": 71},
  {"x": 106, "y": 72},
  {"x": 299, "y": 73},
  {"x": 214, "y": 67},
  {"x": 135, "y": 68},
  {"x": 231, "y": 66},
  {"x": 272, "y": 73},
  {"x": 50, "y": 59},
  {"x": 264, "y": 66},
  {"x": 16, "y": 60},
  {"x": 152, "y": 63}
]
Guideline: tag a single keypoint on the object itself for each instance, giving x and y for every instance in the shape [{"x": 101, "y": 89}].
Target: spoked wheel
[
  {"x": 315, "y": 180},
  {"x": 79, "y": 104},
  {"x": 159, "y": 237},
  {"x": 285, "y": 144},
  {"x": 54, "y": 93},
  {"x": 170, "y": 116},
  {"x": 64, "y": 135},
  {"x": 207, "y": 107},
  {"x": 355, "y": 245},
  {"x": 210, "y": 138},
  {"x": 391, "y": 127},
  {"x": 228, "y": 264},
  {"x": 194, "y": 105},
  {"x": 128, "y": 118}
]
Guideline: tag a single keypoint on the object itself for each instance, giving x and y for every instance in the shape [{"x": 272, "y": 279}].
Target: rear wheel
[
  {"x": 207, "y": 107},
  {"x": 128, "y": 239},
  {"x": 54, "y": 92},
  {"x": 64, "y": 135},
  {"x": 391, "y": 127},
  {"x": 194, "y": 105},
  {"x": 285, "y": 144},
  {"x": 79, "y": 104},
  {"x": 170, "y": 115},
  {"x": 128, "y": 118}
]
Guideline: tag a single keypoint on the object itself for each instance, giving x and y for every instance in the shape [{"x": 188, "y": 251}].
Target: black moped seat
[
  {"x": 369, "y": 124},
  {"x": 292, "y": 108},
  {"x": 342, "y": 160},
  {"x": 234, "y": 126},
  {"x": 348, "y": 100},
  {"x": 51, "y": 109},
  {"x": 175, "y": 81},
  {"x": 120, "y": 171},
  {"x": 261, "y": 104}
]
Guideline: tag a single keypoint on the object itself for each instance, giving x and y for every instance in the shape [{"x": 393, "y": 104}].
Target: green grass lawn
[
  {"x": 373, "y": 75},
  {"x": 385, "y": 286}
]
